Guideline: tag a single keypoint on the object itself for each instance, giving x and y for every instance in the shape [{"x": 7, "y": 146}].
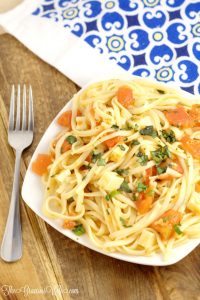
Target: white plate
[{"x": 33, "y": 190}]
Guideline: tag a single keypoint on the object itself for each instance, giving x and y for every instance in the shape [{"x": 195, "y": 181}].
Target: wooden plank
[
  {"x": 6, "y": 5},
  {"x": 58, "y": 258},
  {"x": 32, "y": 270}
]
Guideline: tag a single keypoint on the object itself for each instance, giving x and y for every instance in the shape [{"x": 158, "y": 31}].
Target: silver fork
[{"x": 20, "y": 136}]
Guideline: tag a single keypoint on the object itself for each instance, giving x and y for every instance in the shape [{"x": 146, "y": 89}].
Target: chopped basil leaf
[
  {"x": 115, "y": 126},
  {"x": 107, "y": 197},
  {"x": 107, "y": 211},
  {"x": 135, "y": 197},
  {"x": 123, "y": 222},
  {"x": 128, "y": 127},
  {"x": 101, "y": 162},
  {"x": 121, "y": 147},
  {"x": 121, "y": 171},
  {"x": 53, "y": 175},
  {"x": 160, "y": 154},
  {"x": 160, "y": 170},
  {"x": 169, "y": 136},
  {"x": 84, "y": 177},
  {"x": 95, "y": 157},
  {"x": 134, "y": 142},
  {"x": 161, "y": 91},
  {"x": 71, "y": 139},
  {"x": 165, "y": 219},
  {"x": 78, "y": 229},
  {"x": 88, "y": 167},
  {"x": 136, "y": 127},
  {"x": 125, "y": 187},
  {"x": 141, "y": 187},
  {"x": 149, "y": 130},
  {"x": 143, "y": 158},
  {"x": 114, "y": 193},
  {"x": 177, "y": 229},
  {"x": 111, "y": 195}
]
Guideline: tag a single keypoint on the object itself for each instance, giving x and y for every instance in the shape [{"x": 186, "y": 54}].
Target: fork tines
[{"x": 19, "y": 122}]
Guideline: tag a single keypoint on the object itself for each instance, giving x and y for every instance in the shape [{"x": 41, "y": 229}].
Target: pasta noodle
[{"x": 124, "y": 172}]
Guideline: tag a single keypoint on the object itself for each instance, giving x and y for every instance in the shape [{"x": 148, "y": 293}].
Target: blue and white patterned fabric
[{"x": 157, "y": 38}]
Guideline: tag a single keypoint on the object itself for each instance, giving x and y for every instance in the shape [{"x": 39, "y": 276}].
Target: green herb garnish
[
  {"x": 160, "y": 154},
  {"x": 161, "y": 91},
  {"x": 71, "y": 139},
  {"x": 107, "y": 197},
  {"x": 136, "y": 127},
  {"x": 169, "y": 136},
  {"x": 78, "y": 229},
  {"x": 141, "y": 187},
  {"x": 121, "y": 171},
  {"x": 149, "y": 130},
  {"x": 115, "y": 126},
  {"x": 177, "y": 229},
  {"x": 123, "y": 222},
  {"x": 88, "y": 167},
  {"x": 101, "y": 162},
  {"x": 134, "y": 143},
  {"x": 128, "y": 127},
  {"x": 165, "y": 219},
  {"x": 121, "y": 147},
  {"x": 160, "y": 170},
  {"x": 95, "y": 157},
  {"x": 125, "y": 187},
  {"x": 114, "y": 193},
  {"x": 143, "y": 158}
]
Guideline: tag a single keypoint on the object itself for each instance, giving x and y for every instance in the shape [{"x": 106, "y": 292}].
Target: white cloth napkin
[{"x": 86, "y": 39}]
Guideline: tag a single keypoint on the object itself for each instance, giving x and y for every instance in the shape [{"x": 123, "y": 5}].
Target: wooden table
[{"x": 49, "y": 258}]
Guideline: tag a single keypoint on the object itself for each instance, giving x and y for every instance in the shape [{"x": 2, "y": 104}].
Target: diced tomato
[
  {"x": 195, "y": 114},
  {"x": 40, "y": 165},
  {"x": 144, "y": 201},
  {"x": 197, "y": 187},
  {"x": 112, "y": 142},
  {"x": 69, "y": 224},
  {"x": 92, "y": 111},
  {"x": 65, "y": 146},
  {"x": 191, "y": 145},
  {"x": 176, "y": 165},
  {"x": 65, "y": 119},
  {"x": 179, "y": 117},
  {"x": 89, "y": 158},
  {"x": 150, "y": 172},
  {"x": 165, "y": 224},
  {"x": 125, "y": 96}
]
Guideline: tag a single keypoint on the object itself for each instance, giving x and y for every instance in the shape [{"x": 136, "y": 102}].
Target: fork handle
[{"x": 11, "y": 247}]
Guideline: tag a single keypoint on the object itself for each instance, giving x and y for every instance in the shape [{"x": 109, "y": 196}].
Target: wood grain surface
[{"x": 49, "y": 258}]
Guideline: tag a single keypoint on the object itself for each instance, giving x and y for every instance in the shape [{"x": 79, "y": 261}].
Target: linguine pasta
[{"x": 124, "y": 169}]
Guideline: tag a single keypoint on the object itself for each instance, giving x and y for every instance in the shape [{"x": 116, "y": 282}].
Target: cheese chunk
[
  {"x": 61, "y": 177},
  {"x": 81, "y": 123},
  {"x": 145, "y": 121},
  {"x": 118, "y": 152},
  {"x": 147, "y": 239},
  {"x": 194, "y": 203},
  {"x": 110, "y": 181}
]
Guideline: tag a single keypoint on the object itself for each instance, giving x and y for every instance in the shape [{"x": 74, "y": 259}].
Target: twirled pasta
[{"x": 99, "y": 185}]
